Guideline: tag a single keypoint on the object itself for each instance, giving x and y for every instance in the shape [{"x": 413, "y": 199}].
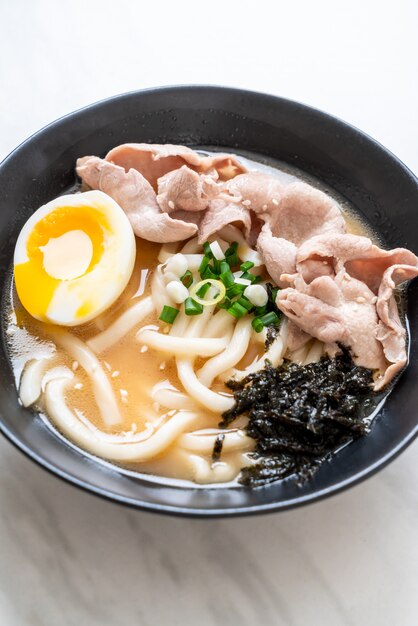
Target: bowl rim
[{"x": 232, "y": 511}]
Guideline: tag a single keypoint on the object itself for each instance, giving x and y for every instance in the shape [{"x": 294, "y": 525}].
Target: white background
[{"x": 67, "y": 558}]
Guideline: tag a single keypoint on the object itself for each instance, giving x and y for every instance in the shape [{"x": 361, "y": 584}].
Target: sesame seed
[
  {"x": 78, "y": 386},
  {"x": 107, "y": 365},
  {"x": 162, "y": 366},
  {"x": 246, "y": 202},
  {"x": 264, "y": 207},
  {"x": 123, "y": 392},
  {"x": 115, "y": 374},
  {"x": 360, "y": 299},
  {"x": 171, "y": 204},
  {"x": 74, "y": 366},
  {"x": 144, "y": 349},
  {"x": 274, "y": 201}
]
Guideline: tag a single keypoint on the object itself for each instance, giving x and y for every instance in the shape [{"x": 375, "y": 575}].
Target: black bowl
[{"x": 382, "y": 189}]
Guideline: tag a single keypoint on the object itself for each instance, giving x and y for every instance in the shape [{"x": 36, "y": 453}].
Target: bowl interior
[{"x": 383, "y": 191}]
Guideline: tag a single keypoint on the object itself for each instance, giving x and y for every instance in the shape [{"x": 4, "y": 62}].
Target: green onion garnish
[
  {"x": 246, "y": 266},
  {"x": 237, "y": 310},
  {"x": 191, "y": 307},
  {"x": 207, "y": 250},
  {"x": 260, "y": 310},
  {"x": 225, "y": 304},
  {"x": 187, "y": 279},
  {"x": 232, "y": 248},
  {"x": 232, "y": 259},
  {"x": 251, "y": 277},
  {"x": 257, "y": 324},
  {"x": 168, "y": 314},
  {"x": 224, "y": 267},
  {"x": 235, "y": 290},
  {"x": 216, "y": 266},
  {"x": 202, "y": 291},
  {"x": 204, "y": 264},
  {"x": 243, "y": 301},
  {"x": 270, "y": 319},
  {"x": 227, "y": 278},
  {"x": 208, "y": 273}
]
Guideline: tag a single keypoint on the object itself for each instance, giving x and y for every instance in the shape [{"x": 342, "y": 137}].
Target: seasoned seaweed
[
  {"x": 300, "y": 415},
  {"x": 217, "y": 448},
  {"x": 272, "y": 332}
]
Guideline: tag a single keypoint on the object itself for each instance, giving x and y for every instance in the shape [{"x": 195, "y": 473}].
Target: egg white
[{"x": 99, "y": 287}]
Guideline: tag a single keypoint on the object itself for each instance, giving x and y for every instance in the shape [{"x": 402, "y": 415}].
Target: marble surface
[{"x": 69, "y": 559}]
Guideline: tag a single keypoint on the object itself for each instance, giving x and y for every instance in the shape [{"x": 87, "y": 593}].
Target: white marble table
[{"x": 69, "y": 559}]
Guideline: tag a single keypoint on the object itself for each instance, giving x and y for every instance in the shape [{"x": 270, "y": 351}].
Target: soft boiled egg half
[{"x": 73, "y": 258}]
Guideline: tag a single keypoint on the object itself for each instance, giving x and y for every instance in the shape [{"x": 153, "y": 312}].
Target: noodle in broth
[{"x": 143, "y": 394}]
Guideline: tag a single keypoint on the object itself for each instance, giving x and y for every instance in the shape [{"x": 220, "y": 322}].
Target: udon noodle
[
  {"x": 148, "y": 395},
  {"x": 95, "y": 390}
]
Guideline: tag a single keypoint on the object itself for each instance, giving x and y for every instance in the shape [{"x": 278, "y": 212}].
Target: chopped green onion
[
  {"x": 246, "y": 266},
  {"x": 237, "y": 310},
  {"x": 217, "y": 251},
  {"x": 199, "y": 291},
  {"x": 208, "y": 273},
  {"x": 260, "y": 310},
  {"x": 243, "y": 301},
  {"x": 168, "y": 314},
  {"x": 227, "y": 278},
  {"x": 224, "y": 267},
  {"x": 251, "y": 277},
  {"x": 207, "y": 250},
  {"x": 204, "y": 264},
  {"x": 225, "y": 303},
  {"x": 270, "y": 319},
  {"x": 187, "y": 279},
  {"x": 257, "y": 324},
  {"x": 232, "y": 259},
  {"x": 191, "y": 307},
  {"x": 235, "y": 290},
  {"x": 202, "y": 291},
  {"x": 232, "y": 248},
  {"x": 216, "y": 266}
]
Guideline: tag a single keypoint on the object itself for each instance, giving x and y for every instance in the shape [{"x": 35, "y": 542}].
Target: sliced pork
[
  {"x": 294, "y": 212},
  {"x": 329, "y": 266},
  {"x": 136, "y": 197},
  {"x": 258, "y": 191},
  {"x": 391, "y": 333},
  {"x": 339, "y": 310},
  {"x": 359, "y": 256},
  {"x": 279, "y": 255},
  {"x": 221, "y": 212},
  {"x": 156, "y": 160},
  {"x": 185, "y": 190},
  {"x": 304, "y": 212}
]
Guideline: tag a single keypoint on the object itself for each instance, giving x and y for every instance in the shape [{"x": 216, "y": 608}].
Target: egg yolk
[{"x": 35, "y": 286}]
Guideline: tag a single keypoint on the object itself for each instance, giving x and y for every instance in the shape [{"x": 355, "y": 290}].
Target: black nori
[
  {"x": 300, "y": 415},
  {"x": 272, "y": 332},
  {"x": 217, "y": 448}
]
